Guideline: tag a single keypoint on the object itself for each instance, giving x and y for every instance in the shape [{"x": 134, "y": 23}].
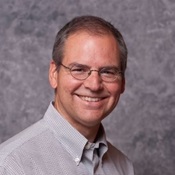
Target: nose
[{"x": 94, "y": 81}]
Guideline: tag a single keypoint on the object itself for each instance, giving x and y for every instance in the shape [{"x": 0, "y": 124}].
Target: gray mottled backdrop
[{"x": 143, "y": 124}]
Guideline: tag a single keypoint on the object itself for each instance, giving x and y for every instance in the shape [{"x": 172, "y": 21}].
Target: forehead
[
  {"x": 89, "y": 33},
  {"x": 86, "y": 47}
]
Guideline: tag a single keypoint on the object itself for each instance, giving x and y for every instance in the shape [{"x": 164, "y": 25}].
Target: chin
[{"x": 92, "y": 123}]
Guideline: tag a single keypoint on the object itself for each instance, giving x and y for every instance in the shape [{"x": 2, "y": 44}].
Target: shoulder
[
  {"x": 116, "y": 152},
  {"x": 120, "y": 160},
  {"x": 14, "y": 144}
]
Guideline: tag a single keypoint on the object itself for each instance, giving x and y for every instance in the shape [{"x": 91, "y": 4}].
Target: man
[{"x": 88, "y": 75}]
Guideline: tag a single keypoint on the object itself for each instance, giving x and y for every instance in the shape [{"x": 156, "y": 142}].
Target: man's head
[
  {"x": 87, "y": 71},
  {"x": 94, "y": 26}
]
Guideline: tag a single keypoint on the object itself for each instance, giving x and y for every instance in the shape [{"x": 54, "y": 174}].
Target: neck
[{"x": 89, "y": 132}]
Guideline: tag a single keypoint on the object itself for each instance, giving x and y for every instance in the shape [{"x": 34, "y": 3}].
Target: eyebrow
[
  {"x": 110, "y": 67},
  {"x": 78, "y": 64},
  {"x": 84, "y": 65}
]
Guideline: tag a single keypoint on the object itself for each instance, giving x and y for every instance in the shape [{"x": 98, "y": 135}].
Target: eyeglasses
[{"x": 82, "y": 72}]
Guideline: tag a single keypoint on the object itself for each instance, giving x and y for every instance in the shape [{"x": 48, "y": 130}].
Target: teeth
[{"x": 90, "y": 99}]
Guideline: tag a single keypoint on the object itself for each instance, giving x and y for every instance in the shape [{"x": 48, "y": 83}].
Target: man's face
[{"x": 84, "y": 103}]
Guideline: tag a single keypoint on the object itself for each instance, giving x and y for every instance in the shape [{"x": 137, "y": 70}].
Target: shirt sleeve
[
  {"x": 10, "y": 171},
  {"x": 3, "y": 171},
  {"x": 11, "y": 167}
]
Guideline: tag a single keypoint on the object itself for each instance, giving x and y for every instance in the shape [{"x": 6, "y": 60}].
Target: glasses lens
[
  {"x": 110, "y": 74},
  {"x": 80, "y": 72}
]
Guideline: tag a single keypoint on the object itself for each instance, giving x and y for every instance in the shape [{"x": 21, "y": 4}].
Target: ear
[
  {"x": 123, "y": 85},
  {"x": 53, "y": 75}
]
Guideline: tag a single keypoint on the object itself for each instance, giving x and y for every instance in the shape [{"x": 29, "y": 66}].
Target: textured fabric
[{"x": 53, "y": 147}]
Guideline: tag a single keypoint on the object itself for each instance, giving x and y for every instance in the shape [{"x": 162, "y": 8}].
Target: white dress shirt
[{"x": 53, "y": 147}]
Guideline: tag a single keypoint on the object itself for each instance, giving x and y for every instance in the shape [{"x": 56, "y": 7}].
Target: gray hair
[{"x": 93, "y": 25}]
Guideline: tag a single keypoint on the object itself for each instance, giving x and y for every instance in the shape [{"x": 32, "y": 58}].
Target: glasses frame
[{"x": 119, "y": 73}]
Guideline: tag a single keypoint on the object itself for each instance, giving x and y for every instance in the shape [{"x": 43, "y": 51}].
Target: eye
[
  {"x": 79, "y": 69},
  {"x": 108, "y": 71}
]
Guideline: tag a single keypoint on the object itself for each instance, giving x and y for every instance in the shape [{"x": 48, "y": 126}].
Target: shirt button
[
  {"x": 77, "y": 160},
  {"x": 88, "y": 145}
]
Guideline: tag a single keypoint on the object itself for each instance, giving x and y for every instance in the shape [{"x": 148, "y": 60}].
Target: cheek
[
  {"x": 115, "y": 92},
  {"x": 68, "y": 85},
  {"x": 115, "y": 89}
]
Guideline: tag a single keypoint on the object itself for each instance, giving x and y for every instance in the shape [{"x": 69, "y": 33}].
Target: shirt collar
[
  {"x": 73, "y": 141},
  {"x": 100, "y": 142}
]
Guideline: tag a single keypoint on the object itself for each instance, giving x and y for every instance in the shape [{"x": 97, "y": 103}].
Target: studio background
[{"x": 143, "y": 124}]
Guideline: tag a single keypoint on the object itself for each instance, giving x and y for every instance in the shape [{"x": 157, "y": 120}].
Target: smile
[{"x": 90, "y": 99}]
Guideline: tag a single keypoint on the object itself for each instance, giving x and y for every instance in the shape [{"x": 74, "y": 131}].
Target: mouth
[{"x": 90, "y": 99}]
